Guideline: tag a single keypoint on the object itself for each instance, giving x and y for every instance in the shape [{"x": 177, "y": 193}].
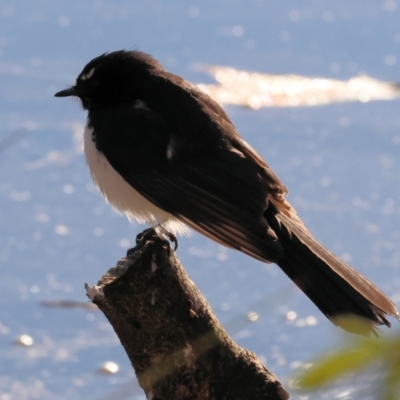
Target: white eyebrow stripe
[{"x": 88, "y": 75}]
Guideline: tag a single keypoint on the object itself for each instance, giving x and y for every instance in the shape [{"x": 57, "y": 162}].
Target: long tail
[{"x": 333, "y": 286}]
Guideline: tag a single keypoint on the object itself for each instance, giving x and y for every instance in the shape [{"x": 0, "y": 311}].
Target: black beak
[{"x": 67, "y": 92}]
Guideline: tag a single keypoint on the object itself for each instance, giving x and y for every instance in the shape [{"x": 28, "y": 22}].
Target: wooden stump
[{"x": 178, "y": 348}]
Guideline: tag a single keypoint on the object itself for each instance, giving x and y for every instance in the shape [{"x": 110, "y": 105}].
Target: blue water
[{"x": 341, "y": 164}]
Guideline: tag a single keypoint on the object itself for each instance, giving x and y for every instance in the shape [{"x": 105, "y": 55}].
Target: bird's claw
[
  {"x": 148, "y": 234},
  {"x": 141, "y": 240},
  {"x": 172, "y": 238}
]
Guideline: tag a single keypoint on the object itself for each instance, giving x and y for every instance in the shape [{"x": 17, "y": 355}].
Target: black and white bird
[{"x": 164, "y": 153}]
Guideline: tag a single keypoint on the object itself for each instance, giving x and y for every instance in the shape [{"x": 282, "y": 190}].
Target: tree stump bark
[{"x": 178, "y": 348}]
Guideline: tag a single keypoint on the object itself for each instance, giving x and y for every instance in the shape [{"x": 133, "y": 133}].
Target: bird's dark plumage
[{"x": 178, "y": 149}]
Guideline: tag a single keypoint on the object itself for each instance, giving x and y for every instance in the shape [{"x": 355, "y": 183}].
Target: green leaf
[{"x": 349, "y": 359}]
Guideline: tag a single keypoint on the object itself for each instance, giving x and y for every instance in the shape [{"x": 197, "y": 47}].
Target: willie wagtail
[{"x": 163, "y": 152}]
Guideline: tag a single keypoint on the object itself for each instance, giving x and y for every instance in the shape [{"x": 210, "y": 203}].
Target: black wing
[{"x": 220, "y": 191}]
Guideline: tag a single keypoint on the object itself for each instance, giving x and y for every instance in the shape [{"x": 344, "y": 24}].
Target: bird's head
[{"x": 112, "y": 79}]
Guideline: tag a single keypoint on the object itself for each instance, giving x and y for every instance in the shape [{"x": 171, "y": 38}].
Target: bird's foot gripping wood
[
  {"x": 171, "y": 237},
  {"x": 151, "y": 234}
]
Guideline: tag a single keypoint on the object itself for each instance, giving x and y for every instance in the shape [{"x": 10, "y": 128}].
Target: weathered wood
[{"x": 178, "y": 348}]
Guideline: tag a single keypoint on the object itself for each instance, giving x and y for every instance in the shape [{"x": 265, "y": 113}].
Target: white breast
[{"x": 122, "y": 196}]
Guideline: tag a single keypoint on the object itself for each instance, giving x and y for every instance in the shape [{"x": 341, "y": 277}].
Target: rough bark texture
[{"x": 178, "y": 348}]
